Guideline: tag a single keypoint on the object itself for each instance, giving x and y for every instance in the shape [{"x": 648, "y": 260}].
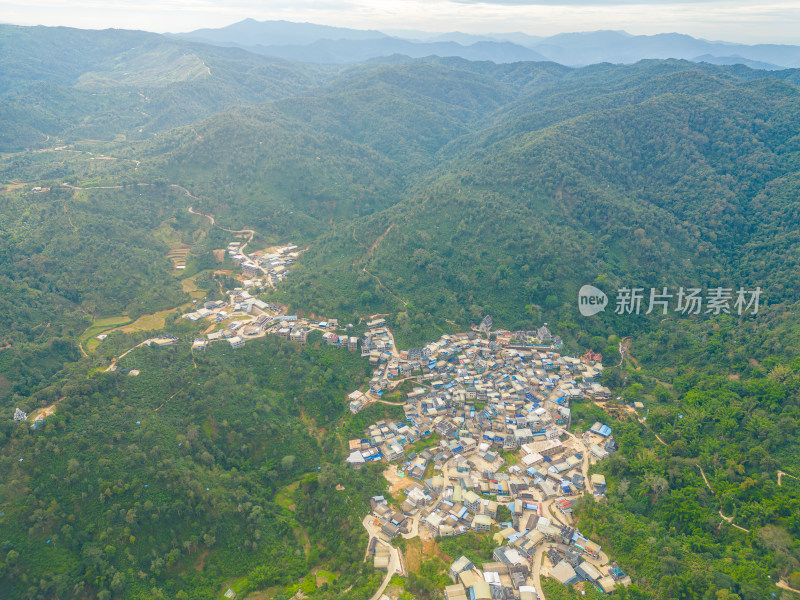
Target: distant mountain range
[
  {"x": 57, "y": 80},
  {"x": 308, "y": 42},
  {"x": 620, "y": 47}
]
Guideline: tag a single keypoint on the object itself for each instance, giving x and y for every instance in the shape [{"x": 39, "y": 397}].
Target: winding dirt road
[
  {"x": 785, "y": 586},
  {"x": 114, "y": 361},
  {"x": 248, "y": 232},
  {"x": 728, "y": 519},
  {"x": 782, "y": 474}
]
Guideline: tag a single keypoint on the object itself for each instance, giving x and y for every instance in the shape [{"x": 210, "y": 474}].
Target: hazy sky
[{"x": 776, "y": 21}]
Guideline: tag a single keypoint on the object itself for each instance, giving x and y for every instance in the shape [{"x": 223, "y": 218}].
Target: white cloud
[{"x": 775, "y": 21}]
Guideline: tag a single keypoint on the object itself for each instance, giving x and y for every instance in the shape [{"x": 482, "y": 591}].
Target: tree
[
  {"x": 662, "y": 393},
  {"x": 327, "y": 477},
  {"x": 794, "y": 580},
  {"x": 118, "y": 582},
  {"x": 287, "y": 462},
  {"x": 634, "y": 392},
  {"x": 503, "y": 513},
  {"x": 656, "y": 484}
]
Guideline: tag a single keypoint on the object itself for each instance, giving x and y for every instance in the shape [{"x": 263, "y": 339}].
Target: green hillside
[
  {"x": 63, "y": 85},
  {"x": 349, "y": 149},
  {"x": 435, "y": 191},
  {"x": 670, "y": 189},
  {"x": 152, "y": 487}
]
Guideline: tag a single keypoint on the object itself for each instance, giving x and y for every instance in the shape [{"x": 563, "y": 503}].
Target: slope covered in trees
[
  {"x": 164, "y": 485},
  {"x": 435, "y": 190},
  {"x": 685, "y": 178},
  {"x": 63, "y": 85}
]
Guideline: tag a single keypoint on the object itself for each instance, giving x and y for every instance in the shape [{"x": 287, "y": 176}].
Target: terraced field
[{"x": 178, "y": 257}]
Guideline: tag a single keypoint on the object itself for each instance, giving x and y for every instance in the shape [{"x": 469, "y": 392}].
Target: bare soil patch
[{"x": 396, "y": 482}]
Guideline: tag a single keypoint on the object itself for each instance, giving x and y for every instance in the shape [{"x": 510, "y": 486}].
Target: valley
[{"x": 244, "y": 349}]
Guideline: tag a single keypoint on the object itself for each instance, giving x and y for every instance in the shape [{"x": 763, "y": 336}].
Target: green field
[
  {"x": 102, "y": 325},
  {"x": 284, "y": 497}
]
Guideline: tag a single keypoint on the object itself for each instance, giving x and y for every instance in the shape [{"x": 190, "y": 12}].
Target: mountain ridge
[{"x": 569, "y": 48}]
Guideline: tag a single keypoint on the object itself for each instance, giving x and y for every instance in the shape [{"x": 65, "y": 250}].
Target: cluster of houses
[
  {"x": 537, "y": 338},
  {"x": 393, "y": 522},
  {"x": 506, "y": 576},
  {"x": 377, "y": 344},
  {"x": 255, "y": 319},
  {"x": 242, "y": 315},
  {"x": 445, "y": 506},
  {"x": 570, "y": 567},
  {"x": 274, "y": 265},
  {"x": 496, "y": 414},
  {"x": 240, "y": 304},
  {"x": 465, "y": 364},
  {"x": 248, "y": 317},
  {"x": 472, "y": 391}
]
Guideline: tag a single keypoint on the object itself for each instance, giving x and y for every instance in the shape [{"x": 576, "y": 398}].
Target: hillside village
[
  {"x": 499, "y": 413},
  {"x": 490, "y": 413},
  {"x": 242, "y": 316},
  {"x": 247, "y": 317}
]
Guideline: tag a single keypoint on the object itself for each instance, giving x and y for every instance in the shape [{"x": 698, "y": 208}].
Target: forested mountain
[
  {"x": 640, "y": 161},
  {"x": 435, "y": 191},
  {"x": 347, "y": 149},
  {"x": 250, "y": 32},
  {"x": 71, "y": 84},
  {"x": 140, "y": 481}
]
